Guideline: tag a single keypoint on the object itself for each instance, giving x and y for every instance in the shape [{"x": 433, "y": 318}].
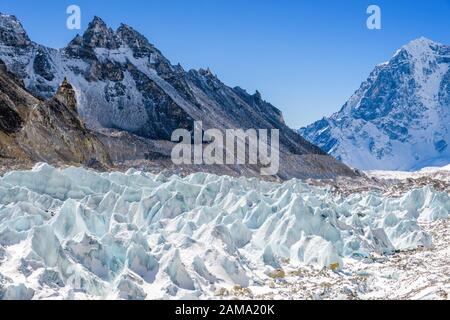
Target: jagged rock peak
[
  {"x": 240, "y": 90},
  {"x": 12, "y": 32},
  {"x": 99, "y": 35},
  {"x": 66, "y": 94},
  {"x": 206, "y": 73},
  {"x": 127, "y": 32},
  {"x": 136, "y": 41},
  {"x": 97, "y": 21},
  {"x": 78, "y": 40},
  {"x": 76, "y": 47}
]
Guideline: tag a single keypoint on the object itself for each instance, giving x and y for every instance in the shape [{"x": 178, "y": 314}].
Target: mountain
[
  {"x": 399, "y": 119},
  {"x": 34, "y": 130},
  {"x": 130, "y": 93}
]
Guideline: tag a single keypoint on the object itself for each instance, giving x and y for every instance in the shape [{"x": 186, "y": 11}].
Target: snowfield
[
  {"x": 77, "y": 234},
  {"x": 440, "y": 173}
]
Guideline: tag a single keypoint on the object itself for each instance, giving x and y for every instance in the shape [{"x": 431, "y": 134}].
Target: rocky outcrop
[
  {"x": 66, "y": 95},
  {"x": 33, "y": 130}
]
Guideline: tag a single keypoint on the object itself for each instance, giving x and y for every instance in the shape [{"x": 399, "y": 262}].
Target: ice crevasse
[{"x": 70, "y": 233}]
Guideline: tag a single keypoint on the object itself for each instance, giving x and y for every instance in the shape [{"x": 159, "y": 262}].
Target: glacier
[{"x": 71, "y": 233}]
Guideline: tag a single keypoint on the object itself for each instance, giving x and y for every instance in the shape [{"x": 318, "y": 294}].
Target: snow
[
  {"x": 72, "y": 233},
  {"x": 442, "y": 173}
]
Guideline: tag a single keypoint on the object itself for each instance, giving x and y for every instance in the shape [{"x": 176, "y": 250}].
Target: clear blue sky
[{"x": 305, "y": 56}]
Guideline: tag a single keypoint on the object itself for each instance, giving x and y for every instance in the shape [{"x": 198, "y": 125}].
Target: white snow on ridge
[
  {"x": 440, "y": 173},
  {"x": 71, "y": 233}
]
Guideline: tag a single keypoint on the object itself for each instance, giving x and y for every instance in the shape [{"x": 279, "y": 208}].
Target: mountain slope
[
  {"x": 34, "y": 130},
  {"x": 399, "y": 119},
  {"x": 125, "y": 86}
]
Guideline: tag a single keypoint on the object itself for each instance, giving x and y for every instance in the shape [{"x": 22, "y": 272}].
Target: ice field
[{"x": 72, "y": 233}]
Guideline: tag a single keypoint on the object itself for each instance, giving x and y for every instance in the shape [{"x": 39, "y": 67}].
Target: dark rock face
[
  {"x": 444, "y": 92},
  {"x": 10, "y": 120},
  {"x": 246, "y": 111},
  {"x": 42, "y": 67},
  {"x": 440, "y": 146},
  {"x": 108, "y": 71},
  {"x": 13, "y": 99},
  {"x": 138, "y": 43},
  {"x": 166, "y": 115},
  {"x": 66, "y": 95},
  {"x": 77, "y": 48},
  {"x": 12, "y": 32}
]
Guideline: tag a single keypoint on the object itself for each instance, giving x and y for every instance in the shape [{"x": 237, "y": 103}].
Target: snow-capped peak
[
  {"x": 399, "y": 118},
  {"x": 421, "y": 47},
  {"x": 421, "y": 42}
]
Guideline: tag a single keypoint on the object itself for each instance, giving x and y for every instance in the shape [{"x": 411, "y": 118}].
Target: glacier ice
[{"x": 71, "y": 233}]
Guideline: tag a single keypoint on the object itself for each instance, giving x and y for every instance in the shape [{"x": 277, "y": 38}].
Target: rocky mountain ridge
[{"x": 125, "y": 88}]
